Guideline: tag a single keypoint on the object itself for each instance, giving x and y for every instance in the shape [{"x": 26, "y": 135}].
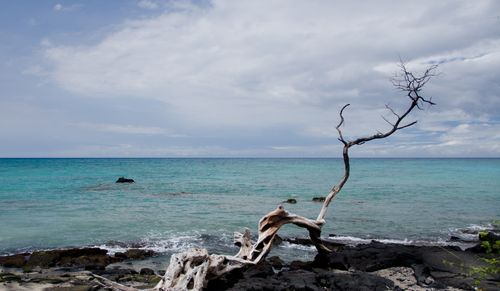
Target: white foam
[
  {"x": 353, "y": 241},
  {"x": 286, "y": 244},
  {"x": 171, "y": 244}
]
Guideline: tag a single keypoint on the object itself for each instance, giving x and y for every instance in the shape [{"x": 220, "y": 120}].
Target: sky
[{"x": 222, "y": 78}]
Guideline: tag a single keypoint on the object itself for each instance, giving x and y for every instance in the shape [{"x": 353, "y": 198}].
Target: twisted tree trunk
[{"x": 192, "y": 269}]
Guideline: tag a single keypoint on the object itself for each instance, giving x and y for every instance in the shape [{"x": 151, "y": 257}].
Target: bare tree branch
[
  {"x": 405, "y": 81},
  {"x": 392, "y": 110},
  {"x": 341, "y": 138}
]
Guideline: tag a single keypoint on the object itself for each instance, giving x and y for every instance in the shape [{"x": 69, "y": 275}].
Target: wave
[
  {"x": 289, "y": 245},
  {"x": 172, "y": 243},
  {"x": 353, "y": 241},
  {"x": 168, "y": 243}
]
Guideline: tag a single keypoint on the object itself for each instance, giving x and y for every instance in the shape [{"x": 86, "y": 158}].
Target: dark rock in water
[
  {"x": 43, "y": 259},
  {"x": 14, "y": 261},
  {"x": 334, "y": 246},
  {"x": 277, "y": 240},
  {"x": 147, "y": 271},
  {"x": 290, "y": 200},
  {"x": 138, "y": 254},
  {"x": 124, "y": 180},
  {"x": 318, "y": 199},
  {"x": 93, "y": 258},
  {"x": 299, "y": 241},
  {"x": 120, "y": 256}
]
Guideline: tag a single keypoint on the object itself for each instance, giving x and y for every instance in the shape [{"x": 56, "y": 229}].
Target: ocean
[{"x": 177, "y": 203}]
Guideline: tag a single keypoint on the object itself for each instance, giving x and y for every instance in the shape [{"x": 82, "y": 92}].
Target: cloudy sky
[{"x": 244, "y": 78}]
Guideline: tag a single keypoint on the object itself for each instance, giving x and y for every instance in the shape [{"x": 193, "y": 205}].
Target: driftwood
[{"x": 192, "y": 269}]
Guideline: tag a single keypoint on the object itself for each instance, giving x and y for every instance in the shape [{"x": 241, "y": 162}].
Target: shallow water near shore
[{"x": 179, "y": 203}]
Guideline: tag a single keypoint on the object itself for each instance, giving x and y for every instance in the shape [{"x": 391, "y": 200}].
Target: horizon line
[{"x": 250, "y": 157}]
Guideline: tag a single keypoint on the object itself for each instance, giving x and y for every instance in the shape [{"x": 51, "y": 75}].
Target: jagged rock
[
  {"x": 276, "y": 262},
  {"x": 299, "y": 241},
  {"x": 334, "y": 246},
  {"x": 90, "y": 258},
  {"x": 300, "y": 265},
  {"x": 310, "y": 280},
  {"x": 261, "y": 270},
  {"x": 14, "y": 261},
  {"x": 146, "y": 271},
  {"x": 277, "y": 240},
  {"x": 370, "y": 257},
  {"x": 124, "y": 180},
  {"x": 433, "y": 266},
  {"x": 318, "y": 199},
  {"x": 138, "y": 254}
]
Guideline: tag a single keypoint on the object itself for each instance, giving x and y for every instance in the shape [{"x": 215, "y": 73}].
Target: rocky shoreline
[{"x": 372, "y": 266}]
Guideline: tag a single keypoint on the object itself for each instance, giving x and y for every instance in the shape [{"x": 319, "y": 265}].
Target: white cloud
[
  {"x": 250, "y": 65},
  {"x": 60, "y": 8},
  {"x": 147, "y": 4},
  {"x": 127, "y": 129}
]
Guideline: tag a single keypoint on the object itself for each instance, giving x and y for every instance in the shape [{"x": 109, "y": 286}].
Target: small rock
[
  {"x": 146, "y": 271},
  {"x": 124, "y": 180},
  {"x": 120, "y": 255},
  {"x": 138, "y": 254},
  {"x": 290, "y": 200},
  {"x": 277, "y": 240},
  {"x": 299, "y": 241},
  {"x": 318, "y": 199}
]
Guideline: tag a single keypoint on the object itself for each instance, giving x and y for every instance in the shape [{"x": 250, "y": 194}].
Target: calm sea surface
[{"x": 178, "y": 203}]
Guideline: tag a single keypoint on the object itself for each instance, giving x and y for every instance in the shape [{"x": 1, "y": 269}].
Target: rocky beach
[{"x": 371, "y": 266}]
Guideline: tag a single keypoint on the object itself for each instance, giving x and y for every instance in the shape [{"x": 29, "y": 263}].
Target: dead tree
[{"x": 191, "y": 270}]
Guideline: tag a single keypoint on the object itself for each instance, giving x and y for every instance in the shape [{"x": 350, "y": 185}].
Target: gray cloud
[{"x": 246, "y": 66}]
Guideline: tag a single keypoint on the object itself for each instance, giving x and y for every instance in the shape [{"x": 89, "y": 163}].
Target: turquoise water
[{"x": 177, "y": 203}]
